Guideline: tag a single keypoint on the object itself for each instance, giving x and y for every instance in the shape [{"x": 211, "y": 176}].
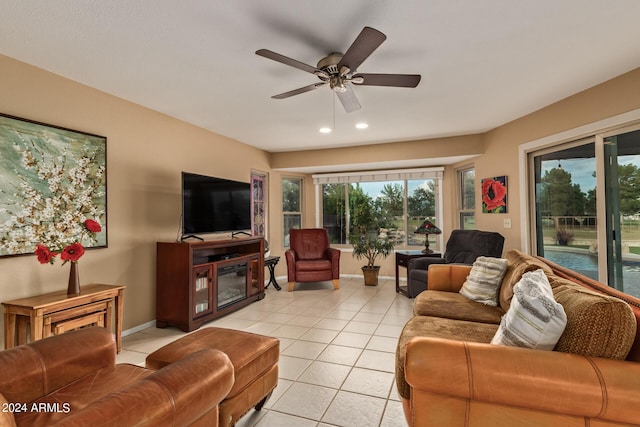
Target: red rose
[
  {"x": 73, "y": 252},
  {"x": 45, "y": 256},
  {"x": 493, "y": 194},
  {"x": 92, "y": 226}
]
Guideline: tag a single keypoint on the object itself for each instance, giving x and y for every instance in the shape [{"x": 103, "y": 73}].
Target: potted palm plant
[{"x": 366, "y": 242}]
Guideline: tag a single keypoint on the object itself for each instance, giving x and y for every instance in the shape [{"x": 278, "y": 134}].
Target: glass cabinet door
[
  {"x": 253, "y": 277},
  {"x": 202, "y": 291}
]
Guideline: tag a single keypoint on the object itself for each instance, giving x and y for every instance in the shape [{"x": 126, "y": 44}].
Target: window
[
  {"x": 398, "y": 201},
  {"x": 291, "y": 206},
  {"x": 334, "y": 211},
  {"x": 467, "y": 212}
]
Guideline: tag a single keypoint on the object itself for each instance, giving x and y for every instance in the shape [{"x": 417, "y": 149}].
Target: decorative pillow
[
  {"x": 484, "y": 280},
  {"x": 519, "y": 263},
  {"x": 597, "y": 325},
  {"x": 535, "y": 319}
]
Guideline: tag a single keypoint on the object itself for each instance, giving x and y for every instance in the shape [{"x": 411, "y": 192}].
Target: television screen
[{"x": 211, "y": 205}]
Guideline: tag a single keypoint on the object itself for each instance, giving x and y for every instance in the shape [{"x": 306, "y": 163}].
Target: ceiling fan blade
[
  {"x": 348, "y": 99},
  {"x": 396, "y": 80},
  {"x": 367, "y": 41},
  {"x": 290, "y": 62},
  {"x": 298, "y": 91}
]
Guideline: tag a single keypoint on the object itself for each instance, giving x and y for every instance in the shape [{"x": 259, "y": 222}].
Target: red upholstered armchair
[{"x": 310, "y": 259}]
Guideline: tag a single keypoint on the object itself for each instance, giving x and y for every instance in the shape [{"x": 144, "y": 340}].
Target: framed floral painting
[
  {"x": 494, "y": 195},
  {"x": 53, "y": 183}
]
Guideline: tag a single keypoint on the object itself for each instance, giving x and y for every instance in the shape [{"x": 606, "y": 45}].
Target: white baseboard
[
  {"x": 139, "y": 328},
  {"x": 281, "y": 279}
]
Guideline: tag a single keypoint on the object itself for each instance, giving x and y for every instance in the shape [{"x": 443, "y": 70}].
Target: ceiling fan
[{"x": 339, "y": 70}]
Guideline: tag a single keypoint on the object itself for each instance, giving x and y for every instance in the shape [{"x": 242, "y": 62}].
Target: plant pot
[{"x": 371, "y": 275}]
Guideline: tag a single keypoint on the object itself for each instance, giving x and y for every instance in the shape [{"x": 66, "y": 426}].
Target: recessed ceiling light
[
  {"x": 362, "y": 125},
  {"x": 325, "y": 130}
]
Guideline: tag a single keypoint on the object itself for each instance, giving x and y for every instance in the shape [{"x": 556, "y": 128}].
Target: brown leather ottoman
[{"x": 254, "y": 358}]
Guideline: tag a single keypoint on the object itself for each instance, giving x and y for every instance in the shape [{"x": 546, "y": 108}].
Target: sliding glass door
[
  {"x": 622, "y": 184},
  {"x": 587, "y": 221},
  {"x": 565, "y": 207}
]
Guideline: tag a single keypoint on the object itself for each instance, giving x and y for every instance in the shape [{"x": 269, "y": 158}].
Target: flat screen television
[{"x": 212, "y": 205}]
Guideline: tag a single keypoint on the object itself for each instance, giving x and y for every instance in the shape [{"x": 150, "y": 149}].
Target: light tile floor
[{"x": 337, "y": 353}]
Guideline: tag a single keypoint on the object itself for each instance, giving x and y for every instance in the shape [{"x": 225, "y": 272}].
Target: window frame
[
  {"x": 460, "y": 176},
  {"x": 434, "y": 173},
  {"x": 291, "y": 213}
]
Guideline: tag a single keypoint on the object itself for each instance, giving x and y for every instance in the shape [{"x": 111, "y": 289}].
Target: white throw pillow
[
  {"x": 483, "y": 283},
  {"x": 535, "y": 319}
]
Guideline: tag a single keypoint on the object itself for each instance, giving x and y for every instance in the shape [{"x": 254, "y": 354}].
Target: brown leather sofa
[
  {"x": 73, "y": 380},
  {"x": 310, "y": 258},
  {"x": 448, "y": 373}
]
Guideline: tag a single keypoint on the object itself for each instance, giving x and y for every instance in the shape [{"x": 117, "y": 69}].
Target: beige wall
[
  {"x": 611, "y": 98},
  {"x": 467, "y": 145},
  {"x": 147, "y": 150}
]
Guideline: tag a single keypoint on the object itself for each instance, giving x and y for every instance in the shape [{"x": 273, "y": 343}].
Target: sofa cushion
[
  {"x": 427, "y": 326},
  {"x": 534, "y": 320},
  {"x": 313, "y": 265},
  {"x": 453, "y": 305},
  {"x": 484, "y": 280},
  {"x": 6, "y": 415},
  {"x": 82, "y": 393},
  {"x": 597, "y": 325},
  {"x": 519, "y": 263}
]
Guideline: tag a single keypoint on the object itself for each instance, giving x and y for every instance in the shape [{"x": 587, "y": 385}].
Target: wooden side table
[
  {"x": 402, "y": 260},
  {"x": 56, "y": 312}
]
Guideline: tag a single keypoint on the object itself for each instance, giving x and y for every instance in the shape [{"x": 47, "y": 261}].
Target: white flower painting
[{"x": 51, "y": 181}]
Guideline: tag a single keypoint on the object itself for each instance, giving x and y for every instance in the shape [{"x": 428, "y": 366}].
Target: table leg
[
  {"x": 108, "y": 316},
  {"x": 37, "y": 325},
  {"x": 9, "y": 329},
  {"x": 397, "y": 276},
  {"x": 272, "y": 277},
  {"x": 47, "y": 328},
  {"x": 21, "y": 322},
  {"x": 119, "y": 314}
]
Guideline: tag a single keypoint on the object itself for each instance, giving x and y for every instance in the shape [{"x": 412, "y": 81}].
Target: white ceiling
[{"x": 483, "y": 63}]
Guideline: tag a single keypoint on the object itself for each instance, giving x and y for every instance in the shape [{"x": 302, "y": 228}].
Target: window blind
[{"x": 380, "y": 175}]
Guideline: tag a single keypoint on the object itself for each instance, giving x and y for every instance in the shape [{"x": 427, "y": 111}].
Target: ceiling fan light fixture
[{"x": 337, "y": 84}]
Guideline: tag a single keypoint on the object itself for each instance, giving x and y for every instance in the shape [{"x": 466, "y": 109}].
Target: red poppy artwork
[{"x": 494, "y": 195}]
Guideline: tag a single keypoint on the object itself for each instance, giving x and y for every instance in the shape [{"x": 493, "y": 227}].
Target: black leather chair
[{"x": 463, "y": 247}]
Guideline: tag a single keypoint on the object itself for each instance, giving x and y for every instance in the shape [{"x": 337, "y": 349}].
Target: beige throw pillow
[
  {"x": 483, "y": 283},
  {"x": 534, "y": 319}
]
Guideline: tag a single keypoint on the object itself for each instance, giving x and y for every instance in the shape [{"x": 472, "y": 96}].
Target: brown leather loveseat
[{"x": 73, "y": 380}]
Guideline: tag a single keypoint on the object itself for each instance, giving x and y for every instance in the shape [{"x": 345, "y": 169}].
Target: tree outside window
[
  {"x": 467, "y": 211},
  {"x": 386, "y": 203},
  {"x": 291, "y": 206}
]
